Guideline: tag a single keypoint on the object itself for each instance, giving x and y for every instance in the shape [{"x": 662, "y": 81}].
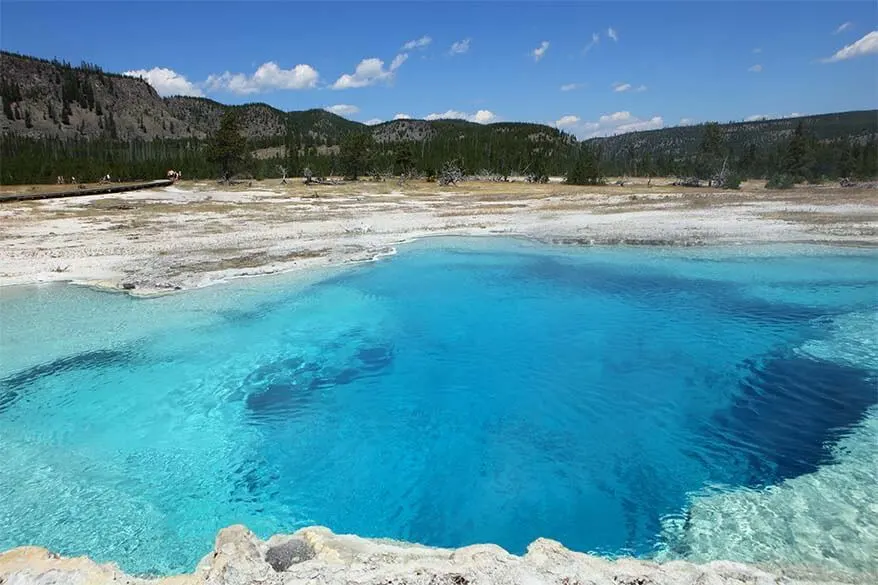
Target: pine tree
[
  {"x": 227, "y": 148},
  {"x": 355, "y": 152},
  {"x": 292, "y": 162},
  {"x": 111, "y": 127},
  {"x": 404, "y": 159},
  {"x": 867, "y": 167},
  {"x": 711, "y": 152},
  {"x": 799, "y": 160},
  {"x": 586, "y": 170}
]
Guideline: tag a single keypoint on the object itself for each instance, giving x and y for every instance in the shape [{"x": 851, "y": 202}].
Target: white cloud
[
  {"x": 609, "y": 124},
  {"x": 402, "y": 117},
  {"x": 540, "y": 51},
  {"x": 755, "y": 68},
  {"x": 843, "y": 27},
  {"x": 567, "y": 121},
  {"x": 653, "y": 123},
  {"x": 267, "y": 77},
  {"x": 482, "y": 116},
  {"x": 571, "y": 86},
  {"x": 369, "y": 72},
  {"x": 595, "y": 39},
  {"x": 270, "y": 76},
  {"x": 167, "y": 81},
  {"x": 447, "y": 115},
  {"x": 758, "y": 117},
  {"x": 420, "y": 43},
  {"x": 373, "y": 121},
  {"x": 868, "y": 45},
  {"x": 460, "y": 47},
  {"x": 236, "y": 83},
  {"x": 611, "y": 33},
  {"x": 342, "y": 109},
  {"x": 757, "y": 50},
  {"x": 617, "y": 117},
  {"x": 397, "y": 61},
  {"x": 623, "y": 87},
  {"x": 686, "y": 121}
]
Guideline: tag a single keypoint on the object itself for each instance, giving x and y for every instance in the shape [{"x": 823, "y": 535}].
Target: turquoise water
[{"x": 462, "y": 391}]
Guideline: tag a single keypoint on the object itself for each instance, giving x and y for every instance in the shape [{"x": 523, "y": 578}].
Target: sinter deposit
[{"x": 316, "y": 555}]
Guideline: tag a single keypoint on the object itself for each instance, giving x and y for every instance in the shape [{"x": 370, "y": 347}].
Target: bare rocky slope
[{"x": 36, "y": 92}]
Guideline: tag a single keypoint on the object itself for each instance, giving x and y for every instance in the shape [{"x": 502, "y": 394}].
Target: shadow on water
[
  {"x": 659, "y": 287},
  {"x": 13, "y": 387},
  {"x": 288, "y": 386},
  {"x": 258, "y": 311},
  {"x": 788, "y": 410}
]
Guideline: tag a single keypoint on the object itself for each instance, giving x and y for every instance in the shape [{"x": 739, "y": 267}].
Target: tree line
[
  {"x": 801, "y": 158},
  {"x": 718, "y": 159}
]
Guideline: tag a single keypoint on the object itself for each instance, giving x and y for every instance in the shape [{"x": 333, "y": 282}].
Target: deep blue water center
[{"x": 460, "y": 392}]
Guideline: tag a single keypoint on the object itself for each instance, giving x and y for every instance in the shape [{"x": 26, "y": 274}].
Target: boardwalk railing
[{"x": 100, "y": 190}]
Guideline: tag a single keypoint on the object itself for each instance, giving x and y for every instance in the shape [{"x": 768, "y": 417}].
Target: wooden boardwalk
[{"x": 99, "y": 190}]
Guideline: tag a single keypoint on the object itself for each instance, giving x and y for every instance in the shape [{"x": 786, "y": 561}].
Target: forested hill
[
  {"x": 742, "y": 138},
  {"x": 60, "y": 119},
  {"x": 53, "y": 99}
]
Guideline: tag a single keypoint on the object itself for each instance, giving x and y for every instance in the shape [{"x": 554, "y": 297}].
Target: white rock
[{"x": 317, "y": 555}]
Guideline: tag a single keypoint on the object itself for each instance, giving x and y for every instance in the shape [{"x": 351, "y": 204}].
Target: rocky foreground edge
[{"x": 316, "y": 555}]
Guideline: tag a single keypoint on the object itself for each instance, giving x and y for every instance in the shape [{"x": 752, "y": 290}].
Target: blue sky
[{"x": 622, "y": 65}]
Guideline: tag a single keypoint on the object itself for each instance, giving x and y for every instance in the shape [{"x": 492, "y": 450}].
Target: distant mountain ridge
[
  {"x": 107, "y": 105},
  {"x": 52, "y": 99},
  {"x": 681, "y": 141}
]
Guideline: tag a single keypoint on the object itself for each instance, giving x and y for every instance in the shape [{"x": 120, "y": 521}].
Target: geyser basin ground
[{"x": 463, "y": 391}]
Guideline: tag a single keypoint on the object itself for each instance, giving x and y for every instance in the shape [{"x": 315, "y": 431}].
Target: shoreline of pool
[
  {"x": 180, "y": 238},
  {"x": 317, "y": 270},
  {"x": 316, "y": 555}
]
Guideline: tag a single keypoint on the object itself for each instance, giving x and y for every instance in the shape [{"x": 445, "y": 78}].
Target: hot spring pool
[{"x": 623, "y": 401}]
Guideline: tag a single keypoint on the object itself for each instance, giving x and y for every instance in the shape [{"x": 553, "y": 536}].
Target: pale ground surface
[
  {"x": 316, "y": 555},
  {"x": 192, "y": 234}
]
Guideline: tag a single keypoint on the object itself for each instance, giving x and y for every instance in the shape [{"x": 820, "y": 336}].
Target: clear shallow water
[{"x": 461, "y": 392}]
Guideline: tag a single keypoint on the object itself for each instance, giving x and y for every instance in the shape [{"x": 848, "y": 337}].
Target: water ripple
[{"x": 621, "y": 401}]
